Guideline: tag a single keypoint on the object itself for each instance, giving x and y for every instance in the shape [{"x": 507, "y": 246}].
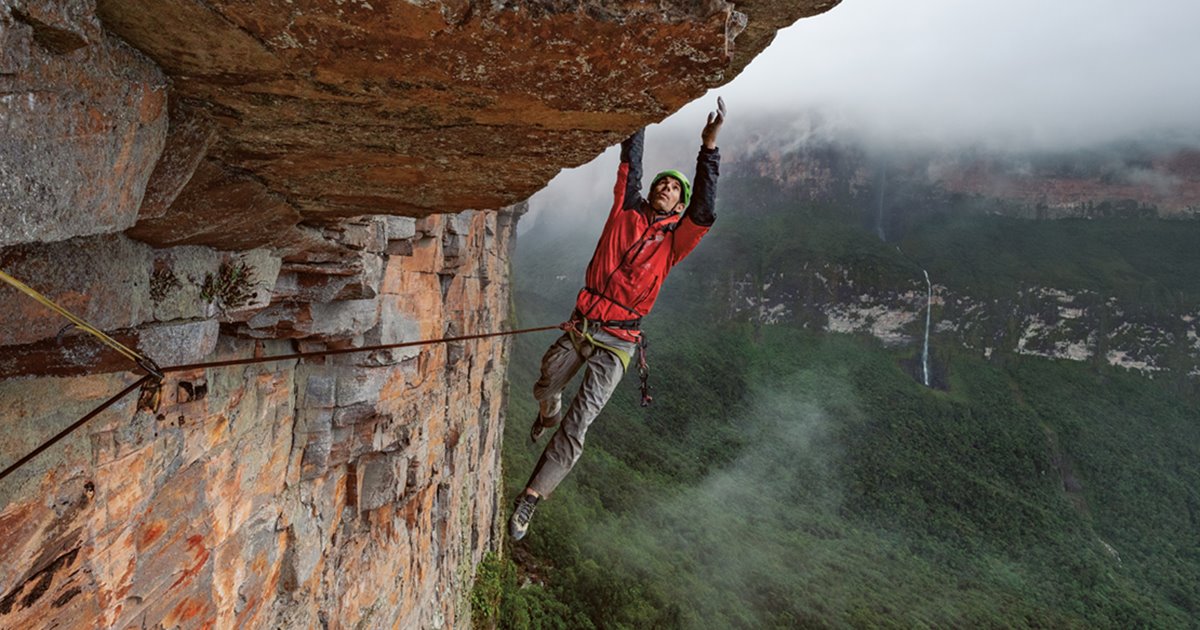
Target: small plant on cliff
[
  {"x": 232, "y": 287},
  {"x": 502, "y": 598},
  {"x": 162, "y": 282},
  {"x": 488, "y": 591}
]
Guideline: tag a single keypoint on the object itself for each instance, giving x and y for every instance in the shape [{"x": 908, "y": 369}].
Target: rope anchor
[
  {"x": 150, "y": 395},
  {"x": 150, "y": 386}
]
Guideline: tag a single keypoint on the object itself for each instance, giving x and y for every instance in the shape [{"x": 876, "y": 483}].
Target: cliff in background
[
  {"x": 1082, "y": 255},
  {"x": 808, "y": 157},
  {"x": 795, "y": 472},
  {"x": 210, "y": 180}
]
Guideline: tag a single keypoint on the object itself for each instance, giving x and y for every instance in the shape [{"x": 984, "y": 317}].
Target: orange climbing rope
[{"x": 150, "y": 383}]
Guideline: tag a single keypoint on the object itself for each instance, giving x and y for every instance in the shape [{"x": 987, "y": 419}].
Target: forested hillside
[{"x": 790, "y": 476}]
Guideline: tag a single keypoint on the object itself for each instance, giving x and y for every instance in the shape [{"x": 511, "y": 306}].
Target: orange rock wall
[{"x": 354, "y": 491}]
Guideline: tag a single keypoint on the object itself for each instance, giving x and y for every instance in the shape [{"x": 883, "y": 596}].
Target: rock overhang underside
[{"x": 238, "y": 125}]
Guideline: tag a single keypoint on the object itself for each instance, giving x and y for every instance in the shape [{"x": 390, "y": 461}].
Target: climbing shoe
[
  {"x": 522, "y": 513},
  {"x": 540, "y": 425}
]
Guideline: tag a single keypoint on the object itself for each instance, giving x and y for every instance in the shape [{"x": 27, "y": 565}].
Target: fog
[
  {"x": 774, "y": 532},
  {"x": 1016, "y": 73},
  {"x": 745, "y": 529}
]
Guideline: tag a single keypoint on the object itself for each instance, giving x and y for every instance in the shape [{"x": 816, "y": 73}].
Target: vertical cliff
[
  {"x": 210, "y": 180},
  {"x": 352, "y": 489}
]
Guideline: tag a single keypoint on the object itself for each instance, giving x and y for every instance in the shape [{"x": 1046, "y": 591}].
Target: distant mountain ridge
[{"x": 1132, "y": 179}]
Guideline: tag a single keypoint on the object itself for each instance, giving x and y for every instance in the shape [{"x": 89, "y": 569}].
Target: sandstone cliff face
[
  {"x": 208, "y": 180},
  {"x": 288, "y": 112},
  {"x": 360, "y": 489}
]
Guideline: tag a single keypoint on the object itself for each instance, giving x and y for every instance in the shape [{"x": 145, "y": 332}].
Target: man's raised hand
[{"x": 715, "y": 120}]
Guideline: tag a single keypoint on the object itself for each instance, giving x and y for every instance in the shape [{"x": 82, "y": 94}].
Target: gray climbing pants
[{"x": 561, "y": 362}]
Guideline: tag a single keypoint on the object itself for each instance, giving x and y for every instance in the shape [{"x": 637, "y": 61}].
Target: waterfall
[
  {"x": 879, "y": 219},
  {"x": 928, "y": 318}
]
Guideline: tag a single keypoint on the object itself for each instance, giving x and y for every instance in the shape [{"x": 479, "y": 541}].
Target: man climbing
[{"x": 642, "y": 240}]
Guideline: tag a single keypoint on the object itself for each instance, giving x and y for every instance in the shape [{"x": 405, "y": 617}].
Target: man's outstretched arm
[
  {"x": 628, "y": 191},
  {"x": 702, "y": 209},
  {"x": 701, "y": 212}
]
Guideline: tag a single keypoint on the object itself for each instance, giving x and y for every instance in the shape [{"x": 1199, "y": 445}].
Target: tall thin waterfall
[
  {"x": 879, "y": 218},
  {"x": 928, "y": 319}
]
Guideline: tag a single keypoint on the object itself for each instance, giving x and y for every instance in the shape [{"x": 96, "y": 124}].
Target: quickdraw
[{"x": 644, "y": 370}]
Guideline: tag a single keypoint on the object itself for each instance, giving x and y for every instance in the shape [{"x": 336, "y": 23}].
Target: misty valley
[{"x": 891, "y": 390}]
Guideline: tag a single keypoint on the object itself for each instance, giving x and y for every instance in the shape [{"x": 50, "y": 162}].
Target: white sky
[{"x": 1009, "y": 72}]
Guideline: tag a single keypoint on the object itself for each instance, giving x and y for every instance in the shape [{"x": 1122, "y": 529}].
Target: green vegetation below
[
  {"x": 790, "y": 478},
  {"x": 1150, "y": 263}
]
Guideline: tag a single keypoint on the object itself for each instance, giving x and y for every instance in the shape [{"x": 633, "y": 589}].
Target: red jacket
[{"x": 637, "y": 251}]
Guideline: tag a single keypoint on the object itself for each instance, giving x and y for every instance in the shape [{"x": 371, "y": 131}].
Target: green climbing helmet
[{"x": 686, "y": 195}]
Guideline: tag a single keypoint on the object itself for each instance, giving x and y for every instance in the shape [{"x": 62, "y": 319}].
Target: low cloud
[
  {"x": 1017, "y": 74},
  {"x": 719, "y": 545}
]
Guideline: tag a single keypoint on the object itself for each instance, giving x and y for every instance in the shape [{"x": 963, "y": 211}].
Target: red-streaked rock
[
  {"x": 226, "y": 210},
  {"x": 246, "y": 573},
  {"x": 278, "y": 494},
  {"x": 54, "y": 579}
]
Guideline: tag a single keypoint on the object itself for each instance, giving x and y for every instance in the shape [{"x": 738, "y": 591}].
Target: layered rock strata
[{"x": 350, "y": 491}]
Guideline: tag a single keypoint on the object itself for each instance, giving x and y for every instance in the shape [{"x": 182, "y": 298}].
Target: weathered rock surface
[
  {"x": 289, "y": 112},
  {"x": 114, "y": 282},
  {"x": 83, "y": 118},
  {"x": 355, "y": 491}
]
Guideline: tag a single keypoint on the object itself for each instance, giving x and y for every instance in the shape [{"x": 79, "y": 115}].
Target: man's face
[{"x": 664, "y": 196}]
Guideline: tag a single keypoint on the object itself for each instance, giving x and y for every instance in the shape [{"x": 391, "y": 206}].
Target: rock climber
[{"x": 642, "y": 241}]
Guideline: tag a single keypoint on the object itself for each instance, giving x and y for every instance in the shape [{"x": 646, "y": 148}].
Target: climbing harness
[
  {"x": 580, "y": 327},
  {"x": 150, "y": 385}
]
